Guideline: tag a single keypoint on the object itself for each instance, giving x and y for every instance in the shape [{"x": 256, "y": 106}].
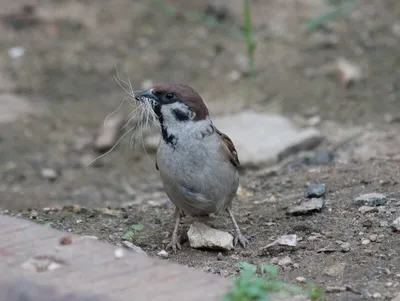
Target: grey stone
[
  {"x": 367, "y": 209},
  {"x": 396, "y": 224},
  {"x": 13, "y": 107},
  {"x": 315, "y": 191},
  {"x": 263, "y": 146},
  {"x": 202, "y": 236},
  {"x": 335, "y": 270},
  {"x": 49, "y": 174},
  {"x": 371, "y": 199},
  {"x": 134, "y": 248},
  {"x": 307, "y": 207}
]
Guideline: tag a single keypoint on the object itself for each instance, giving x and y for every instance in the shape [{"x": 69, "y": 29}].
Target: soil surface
[{"x": 71, "y": 52}]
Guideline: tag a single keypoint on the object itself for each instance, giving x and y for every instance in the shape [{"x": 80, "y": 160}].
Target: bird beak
[{"x": 148, "y": 94}]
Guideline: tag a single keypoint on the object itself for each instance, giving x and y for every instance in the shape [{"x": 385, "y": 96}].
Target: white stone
[
  {"x": 13, "y": 107},
  {"x": 203, "y": 236}
]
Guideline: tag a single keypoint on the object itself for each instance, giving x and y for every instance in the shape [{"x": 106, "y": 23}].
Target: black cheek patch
[{"x": 180, "y": 116}]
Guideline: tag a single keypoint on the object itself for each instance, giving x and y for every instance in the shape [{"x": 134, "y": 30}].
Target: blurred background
[{"x": 330, "y": 65}]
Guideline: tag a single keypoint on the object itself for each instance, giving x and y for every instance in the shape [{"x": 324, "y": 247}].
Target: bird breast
[{"x": 196, "y": 175}]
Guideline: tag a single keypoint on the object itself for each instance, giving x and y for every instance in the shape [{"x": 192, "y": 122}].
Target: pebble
[
  {"x": 315, "y": 191},
  {"x": 134, "y": 248},
  {"x": 49, "y": 174},
  {"x": 220, "y": 256},
  {"x": 33, "y": 214},
  {"x": 285, "y": 261},
  {"x": 307, "y": 207},
  {"x": 301, "y": 279},
  {"x": 376, "y": 296},
  {"x": 335, "y": 270},
  {"x": 365, "y": 242},
  {"x": 367, "y": 209},
  {"x": 203, "y": 236},
  {"x": 371, "y": 199},
  {"x": 373, "y": 237},
  {"x": 396, "y": 224},
  {"x": 163, "y": 254}
]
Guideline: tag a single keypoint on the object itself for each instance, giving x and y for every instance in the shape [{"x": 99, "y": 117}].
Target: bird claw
[
  {"x": 174, "y": 244},
  {"x": 241, "y": 239}
]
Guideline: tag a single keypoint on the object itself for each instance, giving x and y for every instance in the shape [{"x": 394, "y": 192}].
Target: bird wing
[{"x": 229, "y": 148}]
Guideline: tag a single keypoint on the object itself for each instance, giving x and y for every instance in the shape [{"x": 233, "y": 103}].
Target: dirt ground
[{"x": 71, "y": 54}]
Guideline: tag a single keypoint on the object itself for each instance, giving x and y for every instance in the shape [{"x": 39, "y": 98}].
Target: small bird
[{"x": 198, "y": 164}]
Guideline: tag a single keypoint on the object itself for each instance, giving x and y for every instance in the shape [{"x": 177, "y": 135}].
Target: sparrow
[{"x": 198, "y": 164}]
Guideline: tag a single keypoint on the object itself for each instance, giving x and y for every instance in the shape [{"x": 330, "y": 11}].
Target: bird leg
[
  {"x": 174, "y": 243},
  {"x": 238, "y": 236}
]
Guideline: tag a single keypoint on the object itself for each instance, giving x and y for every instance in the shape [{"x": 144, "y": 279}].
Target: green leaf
[
  {"x": 128, "y": 235},
  {"x": 271, "y": 270},
  {"x": 138, "y": 227}
]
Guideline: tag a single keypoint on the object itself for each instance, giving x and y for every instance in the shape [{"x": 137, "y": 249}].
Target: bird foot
[
  {"x": 241, "y": 239},
  {"x": 174, "y": 244}
]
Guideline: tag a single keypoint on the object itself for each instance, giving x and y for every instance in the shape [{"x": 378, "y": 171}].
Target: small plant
[
  {"x": 47, "y": 225},
  {"x": 129, "y": 235},
  {"x": 249, "y": 34},
  {"x": 251, "y": 287}
]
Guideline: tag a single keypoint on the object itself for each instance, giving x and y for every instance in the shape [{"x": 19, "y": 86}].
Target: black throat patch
[
  {"x": 168, "y": 138},
  {"x": 179, "y": 115}
]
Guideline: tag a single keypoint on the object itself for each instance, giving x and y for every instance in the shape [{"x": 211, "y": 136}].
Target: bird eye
[{"x": 169, "y": 96}]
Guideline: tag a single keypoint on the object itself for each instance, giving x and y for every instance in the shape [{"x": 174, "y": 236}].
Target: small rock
[
  {"x": 220, "y": 256},
  {"x": 396, "y": 224},
  {"x": 203, "y": 236},
  {"x": 163, "y": 254},
  {"x": 285, "y": 261},
  {"x": 367, "y": 209},
  {"x": 33, "y": 214},
  {"x": 49, "y": 174},
  {"x": 108, "y": 134},
  {"x": 301, "y": 279},
  {"x": 134, "y": 248},
  {"x": 283, "y": 241},
  {"x": 376, "y": 296},
  {"x": 315, "y": 191},
  {"x": 349, "y": 71},
  {"x": 373, "y": 237},
  {"x": 335, "y": 270},
  {"x": 345, "y": 247},
  {"x": 307, "y": 207},
  {"x": 287, "y": 240},
  {"x": 371, "y": 199},
  {"x": 365, "y": 242},
  {"x": 118, "y": 253}
]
